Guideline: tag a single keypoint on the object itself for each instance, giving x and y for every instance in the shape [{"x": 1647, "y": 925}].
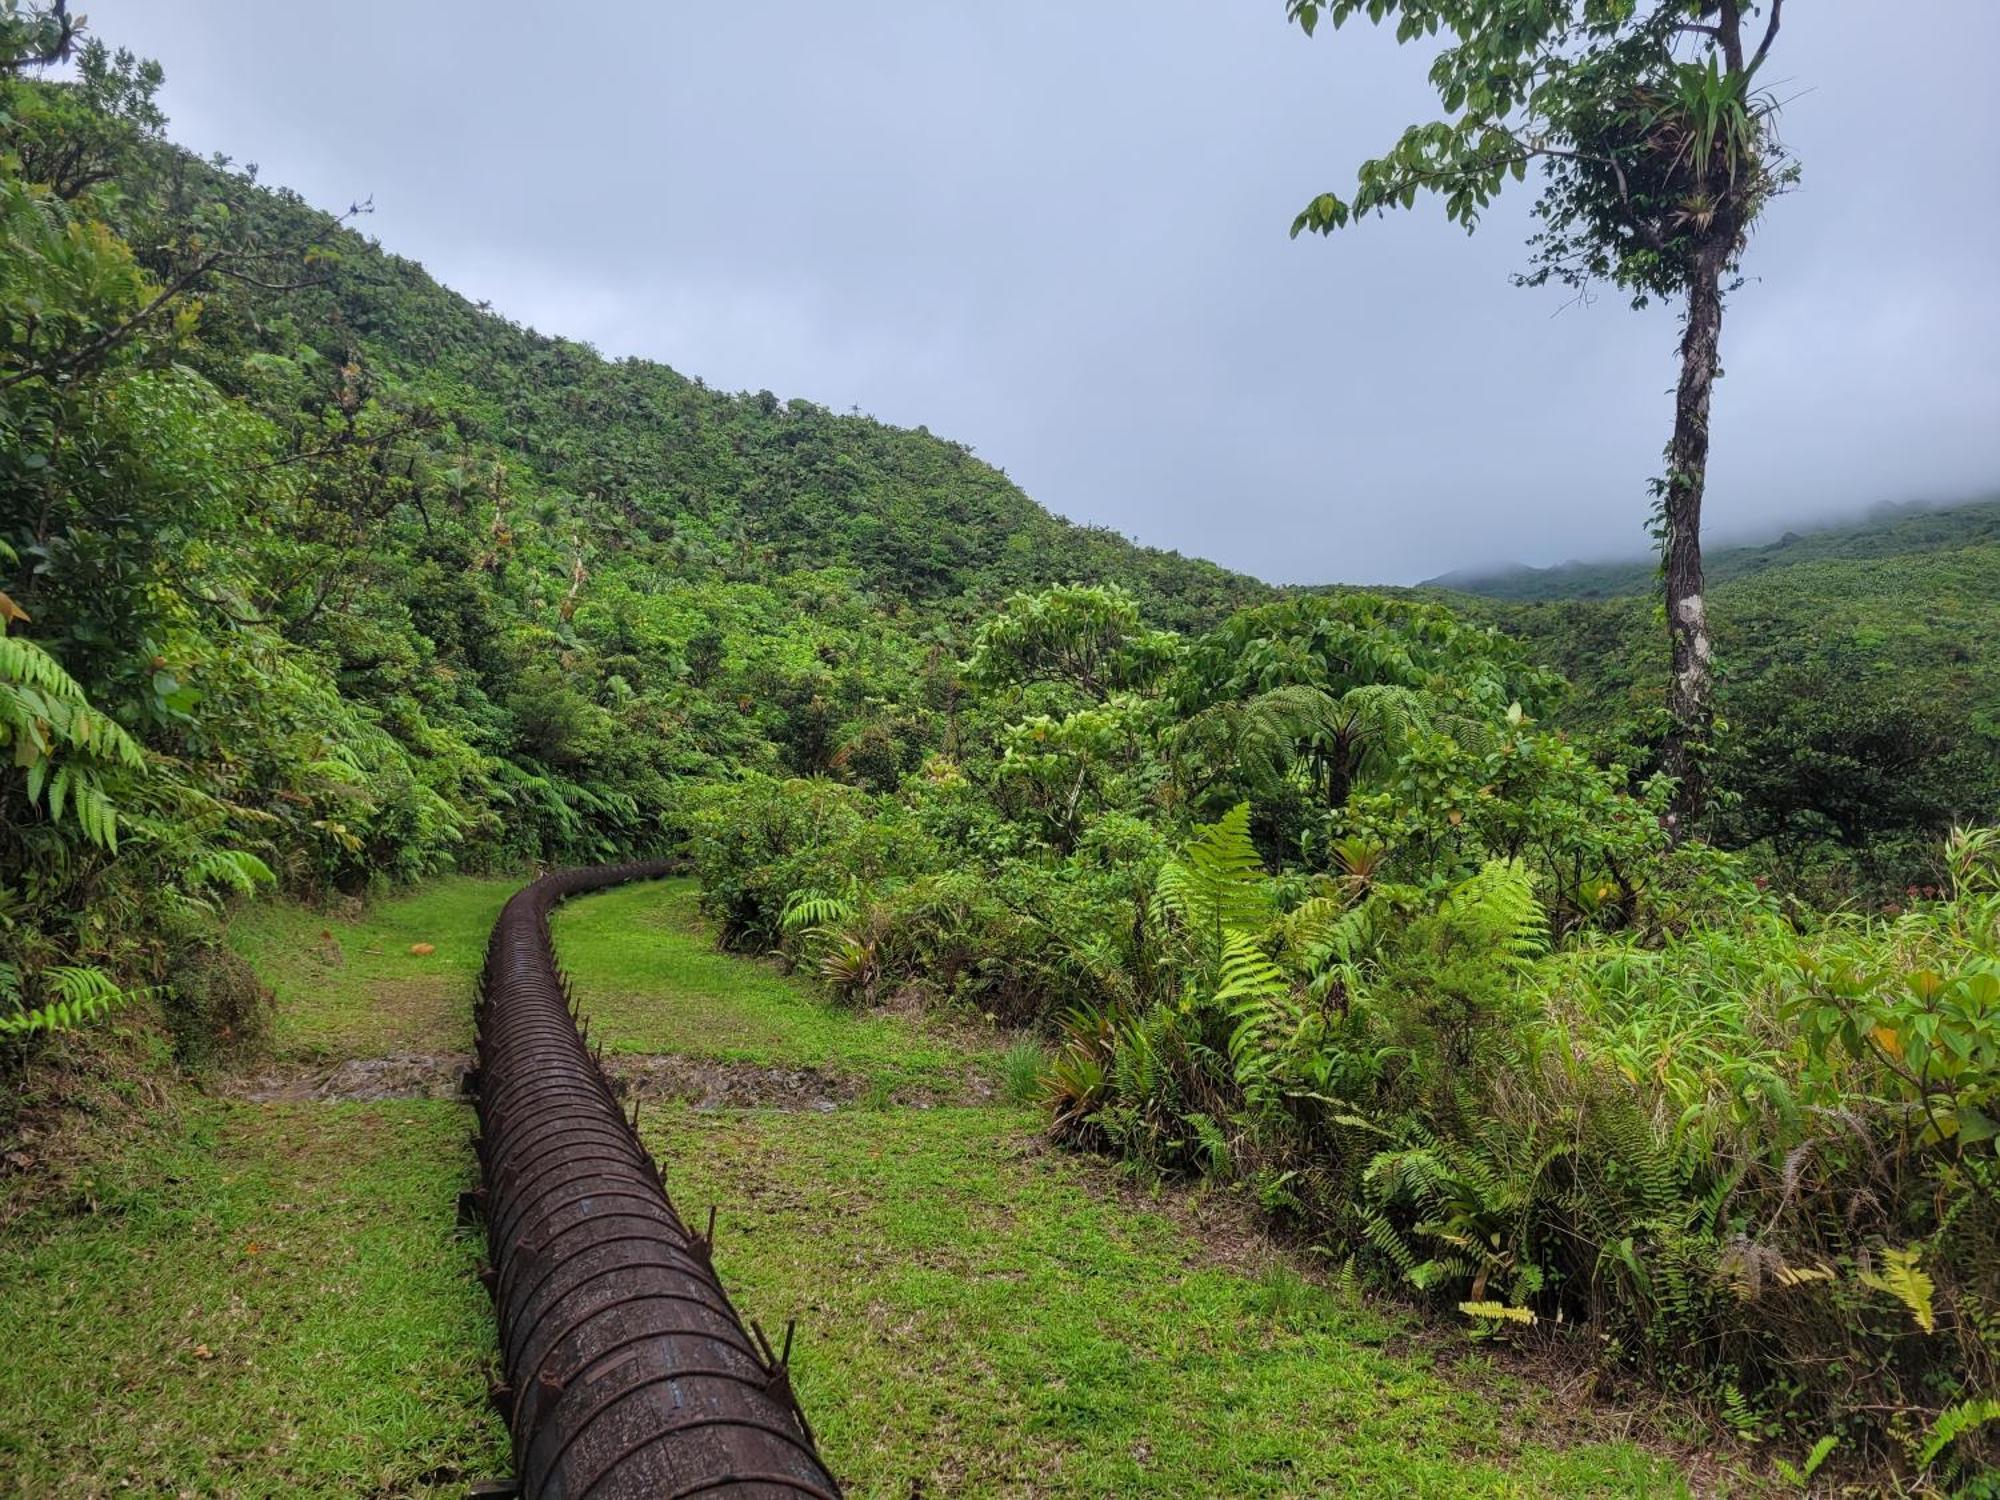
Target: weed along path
[
  {"x": 257, "y": 1287},
  {"x": 981, "y": 1315}
]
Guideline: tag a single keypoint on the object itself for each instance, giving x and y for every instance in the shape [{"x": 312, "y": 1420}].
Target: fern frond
[
  {"x": 1247, "y": 972},
  {"x": 24, "y": 663},
  {"x": 1901, "y": 1278},
  {"x": 1953, "y": 1423},
  {"x": 1499, "y": 1312},
  {"x": 237, "y": 869},
  {"x": 1217, "y": 882},
  {"x": 1498, "y": 906},
  {"x": 807, "y": 910},
  {"x": 80, "y": 994}
]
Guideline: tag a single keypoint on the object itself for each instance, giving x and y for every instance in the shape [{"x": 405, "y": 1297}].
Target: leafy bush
[
  {"x": 1754, "y": 1159},
  {"x": 215, "y": 1004}
]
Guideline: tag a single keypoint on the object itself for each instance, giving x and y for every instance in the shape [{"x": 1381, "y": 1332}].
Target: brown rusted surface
[{"x": 629, "y": 1376}]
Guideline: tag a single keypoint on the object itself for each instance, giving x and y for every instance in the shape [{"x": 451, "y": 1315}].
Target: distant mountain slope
[
  {"x": 1886, "y": 531},
  {"x": 772, "y": 484},
  {"x": 1860, "y": 687}
]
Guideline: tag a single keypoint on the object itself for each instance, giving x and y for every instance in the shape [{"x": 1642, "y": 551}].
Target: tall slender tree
[{"x": 1654, "y": 147}]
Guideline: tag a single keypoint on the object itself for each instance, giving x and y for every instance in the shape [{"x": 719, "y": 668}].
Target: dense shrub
[{"x": 1754, "y": 1158}]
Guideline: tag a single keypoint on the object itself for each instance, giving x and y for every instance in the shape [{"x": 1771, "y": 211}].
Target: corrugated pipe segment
[{"x": 628, "y": 1372}]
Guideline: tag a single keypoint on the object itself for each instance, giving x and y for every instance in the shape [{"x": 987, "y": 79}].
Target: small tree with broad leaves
[{"x": 1653, "y": 142}]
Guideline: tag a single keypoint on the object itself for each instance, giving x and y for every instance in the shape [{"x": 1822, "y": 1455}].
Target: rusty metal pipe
[{"x": 629, "y": 1375}]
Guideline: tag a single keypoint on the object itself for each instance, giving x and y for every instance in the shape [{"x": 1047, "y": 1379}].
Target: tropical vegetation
[{"x": 314, "y": 576}]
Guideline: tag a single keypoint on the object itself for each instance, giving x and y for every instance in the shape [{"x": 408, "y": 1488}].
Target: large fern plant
[
  {"x": 68, "y": 752},
  {"x": 1215, "y": 886}
]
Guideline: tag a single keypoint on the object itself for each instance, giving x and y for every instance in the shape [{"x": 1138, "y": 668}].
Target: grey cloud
[{"x": 1058, "y": 232}]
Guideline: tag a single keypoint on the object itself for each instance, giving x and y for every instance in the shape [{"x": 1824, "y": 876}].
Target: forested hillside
[
  {"x": 638, "y": 455},
  {"x": 1859, "y": 684},
  {"x": 1886, "y": 531},
  {"x": 315, "y": 577},
  {"x": 319, "y": 570}
]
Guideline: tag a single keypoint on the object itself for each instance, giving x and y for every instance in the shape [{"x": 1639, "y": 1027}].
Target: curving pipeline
[{"x": 628, "y": 1374}]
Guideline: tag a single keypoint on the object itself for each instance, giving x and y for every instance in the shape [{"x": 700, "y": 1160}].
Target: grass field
[
  {"x": 232, "y": 1298},
  {"x": 227, "y": 1298},
  {"x": 652, "y": 981}
]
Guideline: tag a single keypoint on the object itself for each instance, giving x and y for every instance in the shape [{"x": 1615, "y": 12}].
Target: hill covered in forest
[
  {"x": 638, "y": 453},
  {"x": 1886, "y": 530},
  {"x": 1859, "y": 683}
]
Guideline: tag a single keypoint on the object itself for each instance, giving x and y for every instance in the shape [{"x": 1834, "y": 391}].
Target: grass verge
[
  {"x": 213, "y": 1297},
  {"x": 984, "y": 1316},
  {"x": 652, "y": 981},
  {"x": 274, "y": 1300},
  {"x": 352, "y": 987}
]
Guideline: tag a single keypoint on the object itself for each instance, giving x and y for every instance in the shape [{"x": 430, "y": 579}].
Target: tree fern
[
  {"x": 1305, "y": 733},
  {"x": 1216, "y": 883}
]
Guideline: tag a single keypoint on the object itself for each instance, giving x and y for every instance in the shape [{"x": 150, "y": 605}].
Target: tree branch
[
  {"x": 56, "y": 51},
  {"x": 111, "y": 338},
  {"x": 222, "y": 262},
  {"x": 1770, "y": 36},
  {"x": 272, "y": 286}
]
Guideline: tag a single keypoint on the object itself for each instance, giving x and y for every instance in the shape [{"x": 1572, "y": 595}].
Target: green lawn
[
  {"x": 274, "y": 1301},
  {"x": 354, "y": 989},
  {"x": 648, "y": 974}
]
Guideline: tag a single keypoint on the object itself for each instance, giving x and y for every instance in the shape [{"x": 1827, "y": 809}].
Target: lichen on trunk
[{"x": 1690, "y": 696}]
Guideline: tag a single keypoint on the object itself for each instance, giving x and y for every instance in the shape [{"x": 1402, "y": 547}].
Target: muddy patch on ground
[
  {"x": 722, "y": 1085},
  {"x": 401, "y": 1075},
  {"x": 709, "y": 1085},
  {"x": 704, "y": 1083}
]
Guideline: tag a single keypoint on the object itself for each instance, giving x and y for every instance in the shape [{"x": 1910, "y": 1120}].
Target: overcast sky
[{"x": 1056, "y": 230}]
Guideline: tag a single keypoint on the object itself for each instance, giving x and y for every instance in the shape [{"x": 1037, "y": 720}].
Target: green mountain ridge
[
  {"x": 1884, "y": 530},
  {"x": 788, "y": 482}
]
